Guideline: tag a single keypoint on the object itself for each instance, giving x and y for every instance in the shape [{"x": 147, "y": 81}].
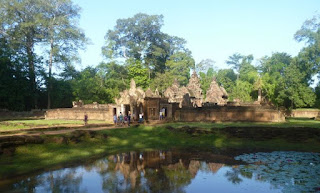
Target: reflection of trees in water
[
  {"x": 28, "y": 185},
  {"x": 58, "y": 181},
  {"x": 233, "y": 176},
  {"x": 152, "y": 171},
  {"x": 63, "y": 181},
  {"x": 155, "y": 171}
]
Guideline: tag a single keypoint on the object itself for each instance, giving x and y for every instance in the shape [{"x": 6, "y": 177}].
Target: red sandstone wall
[
  {"x": 305, "y": 113},
  {"x": 24, "y": 114},
  {"x": 225, "y": 114},
  {"x": 78, "y": 114}
]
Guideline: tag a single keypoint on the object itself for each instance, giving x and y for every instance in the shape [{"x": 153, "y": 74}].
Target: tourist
[
  {"x": 115, "y": 119},
  {"x": 85, "y": 119},
  {"x": 125, "y": 119},
  {"x": 160, "y": 115},
  {"x": 140, "y": 117},
  {"x": 163, "y": 113},
  {"x": 121, "y": 118},
  {"x": 129, "y": 118}
]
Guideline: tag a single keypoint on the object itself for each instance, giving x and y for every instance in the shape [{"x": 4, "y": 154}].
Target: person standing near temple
[{"x": 129, "y": 118}]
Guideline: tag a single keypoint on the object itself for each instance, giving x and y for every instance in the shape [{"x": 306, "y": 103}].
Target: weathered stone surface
[
  {"x": 150, "y": 94},
  {"x": 216, "y": 94},
  {"x": 133, "y": 97},
  {"x": 194, "y": 88},
  {"x": 78, "y": 113},
  {"x": 229, "y": 114},
  {"x": 177, "y": 94}
]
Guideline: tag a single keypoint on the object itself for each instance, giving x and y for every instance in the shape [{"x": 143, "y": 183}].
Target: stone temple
[{"x": 179, "y": 103}]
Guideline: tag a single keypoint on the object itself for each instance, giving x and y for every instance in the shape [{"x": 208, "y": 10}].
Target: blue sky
[{"x": 213, "y": 29}]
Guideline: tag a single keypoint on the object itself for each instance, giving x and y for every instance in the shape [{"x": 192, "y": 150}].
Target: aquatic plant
[{"x": 291, "y": 171}]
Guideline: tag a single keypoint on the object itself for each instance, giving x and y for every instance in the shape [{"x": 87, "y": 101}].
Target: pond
[{"x": 175, "y": 170}]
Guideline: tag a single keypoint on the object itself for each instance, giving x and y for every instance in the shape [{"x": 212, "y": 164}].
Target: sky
[{"x": 213, "y": 29}]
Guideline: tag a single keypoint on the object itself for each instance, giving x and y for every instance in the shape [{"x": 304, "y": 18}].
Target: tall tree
[
  {"x": 19, "y": 24},
  {"x": 137, "y": 72},
  {"x": 14, "y": 85},
  {"x": 115, "y": 78},
  {"x": 294, "y": 91},
  {"x": 272, "y": 71},
  {"x": 204, "y": 65},
  {"x": 235, "y": 62},
  {"x": 180, "y": 65},
  {"x": 89, "y": 87},
  {"x": 309, "y": 57},
  {"x": 227, "y": 79},
  {"x": 140, "y": 37},
  {"x": 61, "y": 33},
  {"x": 238, "y": 61}
]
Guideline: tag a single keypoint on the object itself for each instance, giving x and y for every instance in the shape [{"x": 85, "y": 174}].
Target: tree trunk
[
  {"x": 32, "y": 75},
  {"x": 50, "y": 75}
]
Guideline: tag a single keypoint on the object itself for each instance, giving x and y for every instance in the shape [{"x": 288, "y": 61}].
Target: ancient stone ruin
[
  {"x": 195, "y": 90},
  {"x": 216, "y": 94},
  {"x": 181, "y": 103},
  {"x": 189, "y": 96}
]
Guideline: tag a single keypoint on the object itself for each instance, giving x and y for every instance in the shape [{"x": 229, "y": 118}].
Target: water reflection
[{"x": 164, "y": 171}]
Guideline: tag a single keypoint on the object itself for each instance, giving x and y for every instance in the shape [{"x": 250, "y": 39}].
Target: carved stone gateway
[
  {"x": 189, "y": 96},
  {"x": 216, "y": 94},
  {"x": 131, "y": 100},
  {"x": 195, "y": 90}
]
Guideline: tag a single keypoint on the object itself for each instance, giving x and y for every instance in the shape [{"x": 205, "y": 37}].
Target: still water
[{"x": 181, "y": 171}]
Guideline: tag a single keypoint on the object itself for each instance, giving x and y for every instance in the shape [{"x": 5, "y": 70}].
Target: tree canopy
[{"x": 136, "y": 48}]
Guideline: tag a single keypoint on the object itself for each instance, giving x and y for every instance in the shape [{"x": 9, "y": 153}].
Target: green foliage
[
  {"x": 227, "y": 78},
  {"x": 89, "y": 87},
  {"x": 272, "y": 74},
  {"x": 140, "y": 37},
  {"x": 14, "y": 84},
  {"x": 179, "y": 65},
  {"x": 204, "y": 65},
  {"x": 62, "y": 95},
  {"x": 115, "y": 78},
  {"x": 162, "y": 81},
  {"x": 152, "y": 58},
  {"x": 137, "y": 72},
  {"x": 206, "y": 79},
  {"x": 294, "y": 92},
  {"x": 242, "y": 91}
]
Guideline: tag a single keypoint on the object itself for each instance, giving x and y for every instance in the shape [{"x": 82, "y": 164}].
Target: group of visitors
[
  {"x": 122, "y": 119},
  {"x": 119, "y": 120},
  {"x": 162, "y": 114}
]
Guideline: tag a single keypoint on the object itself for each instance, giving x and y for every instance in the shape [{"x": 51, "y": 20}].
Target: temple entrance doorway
[{"x": 126, "y": 109}]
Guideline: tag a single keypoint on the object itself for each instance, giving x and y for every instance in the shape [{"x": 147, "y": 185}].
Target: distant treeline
[{"x": 37, "y": 35}]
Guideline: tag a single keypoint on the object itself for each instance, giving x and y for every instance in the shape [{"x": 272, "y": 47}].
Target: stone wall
[
  {"x": 78, "y": 114},
  {"x": 305, "y": 113},
  {"x": 35, "y": 113},
  {"x": 226, "y": 114}
]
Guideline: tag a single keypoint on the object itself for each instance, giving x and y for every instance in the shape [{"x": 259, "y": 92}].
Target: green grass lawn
[
  {"x": 33, "y": 157},
  {"x": 27, "y": 124},
  {"x": 290, "y": 122}
]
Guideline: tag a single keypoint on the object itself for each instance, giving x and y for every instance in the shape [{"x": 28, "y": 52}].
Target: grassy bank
[
  {"x": 289, "y": 123},
  {"x": 27, "y": 124},
  {"x": 28, "y": 158}
]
